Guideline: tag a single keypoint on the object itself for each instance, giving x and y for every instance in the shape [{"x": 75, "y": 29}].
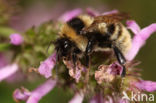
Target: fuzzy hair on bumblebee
[
  {"x": 71, "y": 44},
  {"x": 83, "y": 35},
  {"x": 107, "y": 33}
]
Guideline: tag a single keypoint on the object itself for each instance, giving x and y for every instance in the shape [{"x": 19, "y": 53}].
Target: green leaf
[
  {"x": 6, "y": 31},
  {"x": 4, "y": 46}
]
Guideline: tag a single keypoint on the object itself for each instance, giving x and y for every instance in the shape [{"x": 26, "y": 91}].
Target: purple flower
[
  {"x": 16, "y": 77},
  {"x": 16, "y": 39},
  {"x": 116, "y": 68},
  {"x": 98, "y": 98},
  {"x": 35, "y": 95},
  {"x": 133, "y": 26},
  {"x": 46, "y": 66},
  {"x": 70, "y": 14},
  {"x": 123, "y": 101},
  {"x": 139, "y": 38},
  {"x": 21, "y": 94},
  {"x": 3, "y": 61},
  {"x": 92, "y": 12},
  {"x": 110, "y": 12},
  {"x": 107, "y": 73},
  {"x": 78, "y": 98},
  {"x": 7, "y": 71},
  {"x": 75, "y": 71},
  {"x": 148, "y": 86}
]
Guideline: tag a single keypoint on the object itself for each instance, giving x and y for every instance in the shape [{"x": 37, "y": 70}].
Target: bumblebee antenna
[
  {"x": 50, "y": 43},
  {"x": 57, "y": 60}
]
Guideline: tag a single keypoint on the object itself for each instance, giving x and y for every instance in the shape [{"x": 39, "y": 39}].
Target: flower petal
[
  {"x": 75, "y": 71},
  {"x": 123, "y": 101},
  {"x": 147, "y": 31},
  {"x": 116, "y": 68},
  {"x": 21, "y": 94},
  {"x": 110, "y": 12},
  {"x": 7, "y": 71},
  {"x": 78, "y": 98},
  {"x": 97, "y": 99},
  {"x": 41, "y": 91},
  {"x": 46, "y": 66},
  {"x": 70, "y": 14},
  {"x": 3, "y": 61},
  {"x": 107, "y": 73},
  {"x": 92, "y": 12},
  {"x": 35, "y": 95},
  {"x": 133, "y": 26},
  {"x": 16, "y": 39},
  {"x": 139, "y": 40},
  {"x": 148, "y": 86}
]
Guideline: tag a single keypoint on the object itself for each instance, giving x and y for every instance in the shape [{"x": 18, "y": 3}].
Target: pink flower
[
  {"x": 148, "y": 86},
  {"x": 110, "y": 12},
  {"x": 21, "y": 94},
  {"x": 7, "y": 71},
  {"x": 98, "y": 98},
  {"x": 16, "y": 77},
  {"x": 70, "y": 14},
  {"x": 116, "y": 68},
  {"x": 75, "y": 71},
  {"x": 107, "y": 73},
  {"x": 35, "y": 95},
  {"x": 139, "y": 38},
  {"x": 133, "y": 26},
  {"x": 3, "y": 61},
  {"x": 46, "y": 66},
  {"x": 78, "y": 98},
  {"x": 16, "y": 39},
  {"x": 92, "y": 12}
]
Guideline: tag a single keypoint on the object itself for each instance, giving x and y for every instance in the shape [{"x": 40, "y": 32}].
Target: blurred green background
[{"x": 143, "y": 11}]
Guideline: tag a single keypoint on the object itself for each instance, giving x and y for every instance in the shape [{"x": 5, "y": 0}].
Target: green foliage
[{"x": 34, "y": 48}]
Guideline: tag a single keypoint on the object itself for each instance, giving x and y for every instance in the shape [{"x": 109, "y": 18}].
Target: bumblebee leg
[
  {"x": 87, "y": 60},
  {"x": 121, "y": 59},
  {"x": 88, "y": 51},
  {"x": 89, "y": 47},
  {"x": 74, "y": 58},
  {"x": 87, "y": 64}
]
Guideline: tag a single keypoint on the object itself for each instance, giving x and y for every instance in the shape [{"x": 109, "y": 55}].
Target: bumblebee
[
  {"x": 71, "y": 45},
  {"x": 108, "y": 33},
  {"x": 83, "y": 35}
]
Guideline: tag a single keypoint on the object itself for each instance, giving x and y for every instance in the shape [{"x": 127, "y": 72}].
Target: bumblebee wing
[
  {"x": 108, "y": 19},
  {"x": 111, "y": 18}
]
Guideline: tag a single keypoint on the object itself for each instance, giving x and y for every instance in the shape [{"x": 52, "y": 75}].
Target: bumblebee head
[{"x": 63, "y": 46}]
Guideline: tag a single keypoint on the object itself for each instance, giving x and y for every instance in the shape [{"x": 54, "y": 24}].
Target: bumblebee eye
[{"x": 66, "y": 44}]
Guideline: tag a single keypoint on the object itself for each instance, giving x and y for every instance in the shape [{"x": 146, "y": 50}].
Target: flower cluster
[{"x": 104, "y": 85}]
